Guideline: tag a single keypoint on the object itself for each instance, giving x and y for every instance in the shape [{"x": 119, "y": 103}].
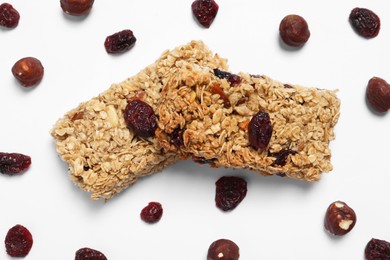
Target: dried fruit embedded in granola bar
[
  {"x": 260, "y": 130},
  {"x": 140, "y": 118},
  {"x": 177, "y": 137},
  {"x": 281, "y": 157},
  {"x": 365, "y": 22},
  {"x": 14, "y": 163},
  {"x": 230, "y": 191},
  {"x": 216, "y": 89},
  {"x": 152, "y": 212},
  {"x": 9, "y": 16},
  {"x": 120, "y": 42},
  {"x": 233, "y": 79},
  {"x": 18, "y": 241},
  {"x": 86, "y": 253},
  {"x": 205, "y": 11},
  {"x": 377, "y": 249}
]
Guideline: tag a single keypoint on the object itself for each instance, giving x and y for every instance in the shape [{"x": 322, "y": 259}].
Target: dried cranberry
[
  {"x": 140, "y": 118},
  {"x": 18, "y": 241},
  {"x": 294, "y": 31},
  {"x": 86, "y": 253},
  {"x": 377, "y": 249},
  {"x": 230, "y": 191},
  {"x": 152, "y": 212},
  {"x": 260, "y": 130},
  {"x": 14, "y": 163},
  {"x": 9, "y": 16},
  {"x": 365, "y": 22},
  {"x": 205, "y": 11},
  {"x": 28, "y": 71},
  {"x": 223, "y": 249},
  {"x": 76, "y": 7},
  {"x": 281, "y": 157},
  {"x": 233, "y": 79},
  {"x": 120, "y": 42},
  {"x": 177, "y": 137}
]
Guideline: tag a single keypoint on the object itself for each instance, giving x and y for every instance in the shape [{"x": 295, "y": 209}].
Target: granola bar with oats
[
  {"x": 103, "y": 155},
  {"x": 206, "y": 114}
]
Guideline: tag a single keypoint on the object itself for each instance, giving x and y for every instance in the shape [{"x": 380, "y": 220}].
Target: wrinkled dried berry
[
  {"x": 76, "y": 7},
  {"x": 140, "y": 118},
  {"x": 378, "y": 94},
  {"x": 233, "y": 79},
  {"x": 281, "y": 157},
  {"x": 9, "y": 16},
  {"x": 120, "y": 42},
  {"x": 230, "y": 191},
  {"x": 377, "y": 249},
  {"x": 339, "y": 218},
  {"x": 14, "y": 163},
  {"x": 365, "y": 22},
  {"x": 260, "y": 130},
  {"x": 176, "y": 137},
  {"x": 86, "y": 253},
  {"x": 28, "y": 71},
  {"x": 152, "y": 212},
  {"x": 294, "y": 31},
  {"x": 205, "y": 11},
  {"x": 18, "y": 241},
  {"x": 223, "y": 249}
]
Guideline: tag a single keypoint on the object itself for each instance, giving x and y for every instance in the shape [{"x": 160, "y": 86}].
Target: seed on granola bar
[{"x": 140, "y": 118}]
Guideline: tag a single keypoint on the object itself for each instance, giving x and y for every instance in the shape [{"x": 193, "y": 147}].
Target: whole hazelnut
[
  {"x": 294, "y": 31},
  {"x": 378, "y": 94},
  {"x": 76, "y": 7},
  {"x": 339, "y": 218},
  {"x": 223, "y": 249},
  {"x": 28, "y": 71}
]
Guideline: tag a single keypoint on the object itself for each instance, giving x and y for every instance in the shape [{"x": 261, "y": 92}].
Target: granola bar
[
  {"x": 103, "y": 155},
  {"x": 205, "y": 114}
]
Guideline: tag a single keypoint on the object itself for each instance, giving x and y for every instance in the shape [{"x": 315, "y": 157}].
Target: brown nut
[
  {"x": 378, "y": 94},
  {"x": 76, "y": 7},
  {"x": 223, "y": 249},
  {"x": 28, "y": 71},
  {"x": 294, "y": 31},
  {"x": 339, "y": 218}
]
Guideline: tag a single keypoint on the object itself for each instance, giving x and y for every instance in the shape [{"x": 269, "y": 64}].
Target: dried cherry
[
  {"x": 230, "y": 191},
  {"x": 140, "y": 118},
  {"x": 377, "y": 249},
  {"x": 28, "y": 71},
  {"x": 18, "y": 241},
  {"x": 14, "y": 163},
  {"x": 9, "y": 16},
  {"x": 205, "y": 11},
  {"x": 120, "y": 42},
  {"x": 281, "y": 157},
  {"x": 365, "y": 22},
  {"x": 233, "y": 79},
  {"x": 223, "y": 249},
  {"x": 260, "y": 130},
  {"x": 76, "y": 7},
  {"x": 152, "y": 212},
  {"x": 86, "y": 253},
  {"x": 294, "y": 30}
]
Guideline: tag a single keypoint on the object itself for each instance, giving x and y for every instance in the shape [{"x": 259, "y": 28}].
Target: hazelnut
[
  {"x": 76, "y": 7},
  {"x": 28, "y": 71},
  {"x": 339, "y": 218},
  {"x": 378, "y": 94},
  {"x": 294, "y": 31},
  {"x": 223, "y": 249}
]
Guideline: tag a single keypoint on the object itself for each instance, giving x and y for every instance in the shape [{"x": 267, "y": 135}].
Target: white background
[{"x": 279, "y": 218}]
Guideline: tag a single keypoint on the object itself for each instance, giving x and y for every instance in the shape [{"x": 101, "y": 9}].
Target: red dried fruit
[
  {"x": 18, "y": 241},
  {"x": 339, "y": 218},
  {"x": 233, "y": 79},
  {"x": 377, "y": 249},
  {"x": 294, "y": 31},
  {"x": 120, "y": 42},
  {"x": 28, "y": 71},
  {"x": 230, "y": 191},
  {"x": 76, "y": 7},
  {"x": 14, "y": 163},
  {"x": 223, "y": 249},
  {"x": 205, "y": 11},
  {"x": 281, "y": 157},
  {"x": 140, "y": 118},
  {"x": 86, "y": 253},
  {"x": 378, "y": 94},
  {"x": 176, "y": 137},
  {"x": 152, "y": 212},
  {"x": 260, "y": 130},
  {"x": 365, "y": 22},
  {"x": 9, "y": 16}
]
